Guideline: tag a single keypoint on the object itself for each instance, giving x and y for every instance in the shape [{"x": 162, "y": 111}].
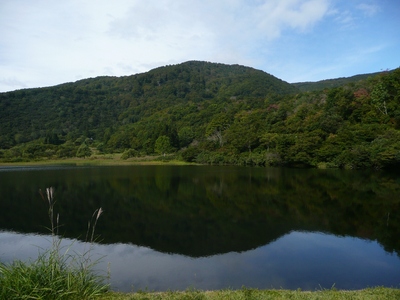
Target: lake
[{"x": 204, "y": 227}]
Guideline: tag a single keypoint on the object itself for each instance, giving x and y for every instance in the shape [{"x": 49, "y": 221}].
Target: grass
[
  {"x": 101, "y": 160},
  {"x": 49, "y": 277},
  {"x": 55, "y": 274},
  {"x": 250, "y": 294}
]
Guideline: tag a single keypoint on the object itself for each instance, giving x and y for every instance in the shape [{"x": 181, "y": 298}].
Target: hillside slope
[
  {"x": 89, "y": 107},
  {"x": 208, "y": 113},
  {"x": 309, "y": 86}
]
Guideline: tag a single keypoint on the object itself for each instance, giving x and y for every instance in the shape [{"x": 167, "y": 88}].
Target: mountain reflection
[{"x": 201, "y": 211}]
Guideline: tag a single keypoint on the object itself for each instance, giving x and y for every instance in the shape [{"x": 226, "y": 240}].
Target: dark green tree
[
  {"x": 83, "y": 151},
  {"x": 162, "y": 145}
]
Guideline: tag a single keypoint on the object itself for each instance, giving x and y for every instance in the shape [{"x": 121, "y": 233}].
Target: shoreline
[
  {"x": 98, "y": 160},
  {"x": 249, "y": 293}
]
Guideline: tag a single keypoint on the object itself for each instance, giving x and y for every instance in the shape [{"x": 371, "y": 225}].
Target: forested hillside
[
  {"x": 207, "y": 113},
  {"x": 330, "y": 83}
]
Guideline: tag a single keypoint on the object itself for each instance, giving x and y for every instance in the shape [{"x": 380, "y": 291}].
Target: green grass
[
  {"x": 55, "y": 274},
  {"x": 250, "y": 294},
  {"x": 101, "y": 160},
  {"x": 50, "y": 276}
]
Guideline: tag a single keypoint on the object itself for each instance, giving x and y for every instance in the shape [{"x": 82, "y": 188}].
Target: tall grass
[{"x": 56, "y": 273}]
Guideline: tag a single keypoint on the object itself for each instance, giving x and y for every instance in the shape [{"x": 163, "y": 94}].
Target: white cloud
[
  {"x": 274, "y": 16},
  {"x": 369, "y": 9},
  {"x": 345, "y": 19},
  {"x": 48, "y": 42},
  {"x": 224, "y": 31},
  {"x": 350, "y": 16}
]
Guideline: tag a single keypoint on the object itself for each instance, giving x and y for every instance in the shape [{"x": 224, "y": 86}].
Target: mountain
[
  {"x": 209, "y": 113},
  {"x": 91, "y": 106},
  {"x": 331, "y": 83}
]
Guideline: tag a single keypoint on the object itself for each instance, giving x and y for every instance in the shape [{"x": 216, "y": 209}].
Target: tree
[
  {"x": 186, "y": 136},
  {"x": 245, "y": 132},
  {"x": 216, "y": 127},
  {"x": 269, "y": 140},
  {"x": 52, "y": 138},
  {"x": 379, "y": 95},
  {"x": 84, "y": 151},
  {"x": 162, "y": 145}
]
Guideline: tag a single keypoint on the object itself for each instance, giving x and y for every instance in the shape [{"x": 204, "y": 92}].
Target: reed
[{"x": 56, "y": 273}]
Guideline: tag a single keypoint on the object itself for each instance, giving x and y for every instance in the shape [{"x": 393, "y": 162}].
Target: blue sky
[{"x": 46, "y": 42}]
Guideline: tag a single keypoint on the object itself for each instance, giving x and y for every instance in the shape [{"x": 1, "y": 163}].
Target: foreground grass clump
[
  {"x": 55, "y": 274},
  {"x": 48, "y": 277},
  {"x": 250, "y": 294}
]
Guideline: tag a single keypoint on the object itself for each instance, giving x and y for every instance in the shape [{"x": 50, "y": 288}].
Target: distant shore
[{"x": 99, "y": 160}]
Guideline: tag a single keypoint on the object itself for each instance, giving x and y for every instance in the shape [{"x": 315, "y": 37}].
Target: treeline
[
  {"x": 331, "y": 83},
  {"x": 208, "y": 113}
]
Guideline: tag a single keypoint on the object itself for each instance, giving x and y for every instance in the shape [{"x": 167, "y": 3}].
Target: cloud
[
  {"x": 349, "y": 17},
  {"x": 275, "y": 16},
  {"x": 46, "y": 42},
  {"x": 56, "y": 42},
  {"x": 345, "y": 19},
  {"x": 226, "y": 18},
  {"x": 212, "y": 30},
  {"x": 12, "y": 82},
  {"x": 368, "y": 9}
]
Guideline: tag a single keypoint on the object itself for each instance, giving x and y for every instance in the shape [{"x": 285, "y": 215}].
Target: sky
[{"x": 48, "y": 42}]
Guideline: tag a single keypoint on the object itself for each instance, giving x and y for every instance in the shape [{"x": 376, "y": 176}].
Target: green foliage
[
  {"x": 130, "y": 153},
  {"x": 83, "y": 151},
  {"x": 209, "y": 113},
  {"x": 186, "y": 136},
  {"x": 331, "y": 83},
  {"x": 162, "y": 145},
  {"x": 190, "y": 154},
  {"x": 52, "y": 139},
  {"x": 66, "y": 150},
  {"x": 245, "y": 132},
  {"x": 216, "y": 128}
]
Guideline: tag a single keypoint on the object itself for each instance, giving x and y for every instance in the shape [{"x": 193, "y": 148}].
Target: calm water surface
[{"x": 170, "y": 227}]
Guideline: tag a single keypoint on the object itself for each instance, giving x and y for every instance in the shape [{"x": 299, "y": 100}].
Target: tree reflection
[{"x": 201, "y": 211}]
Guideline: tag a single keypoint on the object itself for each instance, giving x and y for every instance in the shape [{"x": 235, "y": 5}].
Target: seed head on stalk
[{"x": 50, "y": 200}]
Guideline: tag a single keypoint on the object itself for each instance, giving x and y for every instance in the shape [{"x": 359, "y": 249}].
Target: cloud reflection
[{"x": 297, "y": 260}]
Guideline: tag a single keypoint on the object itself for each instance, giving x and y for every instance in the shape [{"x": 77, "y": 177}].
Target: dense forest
[
  {"x": 209, "y": 113},
  {"x": 330, "y": 83}
]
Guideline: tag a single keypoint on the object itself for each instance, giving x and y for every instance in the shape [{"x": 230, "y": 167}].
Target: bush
[
  {"x": 190, "y": 154},
  {"x": 130, "y": 153},
  {"x": 83, "y": 151},
  {"x": 66, "y": 150}
]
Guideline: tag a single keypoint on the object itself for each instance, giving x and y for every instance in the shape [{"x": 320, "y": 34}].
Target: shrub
[{"x": 130, "y": 153}]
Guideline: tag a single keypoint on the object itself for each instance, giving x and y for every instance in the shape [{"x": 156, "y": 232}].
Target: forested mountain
[
  {"x": 207, "y": 113},
  {"x": 309, "y": 86}
]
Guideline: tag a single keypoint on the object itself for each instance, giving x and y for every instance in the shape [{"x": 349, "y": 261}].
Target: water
[{"x": 175, "y": 228}]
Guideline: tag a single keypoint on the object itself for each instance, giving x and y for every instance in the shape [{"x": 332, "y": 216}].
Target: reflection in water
[
  {"x": 298, "y": 260},
  {"x": 210, "y": 227}
]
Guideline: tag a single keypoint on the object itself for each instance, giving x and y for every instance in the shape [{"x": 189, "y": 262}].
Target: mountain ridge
[
  {"x": 208, "y": 113},
  {"x": 331, "y": 83},
  {"x": 133, "y": 96},
  {"x": 302, "y": 85}
]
